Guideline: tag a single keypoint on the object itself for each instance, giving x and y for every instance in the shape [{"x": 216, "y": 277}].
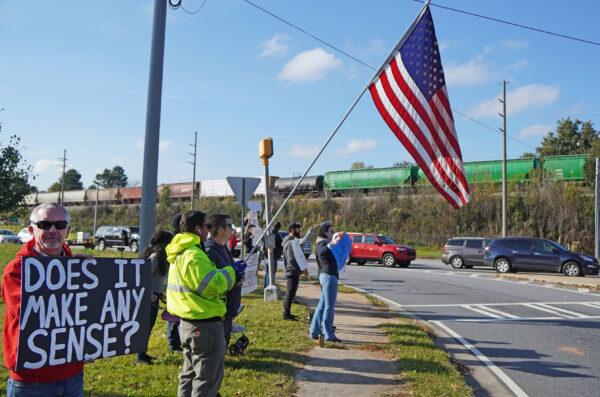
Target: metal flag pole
[{"x": 371, "y": 80}]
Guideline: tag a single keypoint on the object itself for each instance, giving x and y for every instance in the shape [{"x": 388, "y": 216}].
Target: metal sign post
[{"x": 243, "y": 188}]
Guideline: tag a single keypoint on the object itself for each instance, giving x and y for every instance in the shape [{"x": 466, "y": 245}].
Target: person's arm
[{"x": 210, "y": 281}]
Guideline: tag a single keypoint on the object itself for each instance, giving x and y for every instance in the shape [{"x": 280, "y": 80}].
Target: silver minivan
[{"x": 464, "y": 252}]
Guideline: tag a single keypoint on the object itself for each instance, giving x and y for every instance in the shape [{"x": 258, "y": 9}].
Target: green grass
[
  {"x": 276, "y": 350},
  {"x": 427, "y": 369},
  {"x": 428, "y": 252},
  {"x": 346, "y": 290}
]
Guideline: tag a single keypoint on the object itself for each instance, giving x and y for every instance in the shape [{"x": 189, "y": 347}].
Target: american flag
[{"x": 410, "y": 94}]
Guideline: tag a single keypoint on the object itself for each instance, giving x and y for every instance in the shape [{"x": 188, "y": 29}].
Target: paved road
[{"x": 539, "y": 340}]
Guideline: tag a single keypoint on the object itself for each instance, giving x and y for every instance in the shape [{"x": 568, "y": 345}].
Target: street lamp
[{"x": 265, "y": 152}]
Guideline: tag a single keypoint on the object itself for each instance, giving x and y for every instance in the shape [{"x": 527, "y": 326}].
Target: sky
[{"x": 74, "y": 77}]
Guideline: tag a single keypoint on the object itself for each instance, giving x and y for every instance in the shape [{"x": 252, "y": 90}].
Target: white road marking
[
  {"x": 481, "y": 311},
  {"x": 545, "y": 309},
  {"x": 583, "y": 289},
  {"x": 499, "y": 312},
  {"x": 497, "y": 371},
  {"x": 595, "y": 305},
  {"x": 474, "y": 275},
  {"x": 492, "y": 304},
  {"x": 568, "y": 312}
]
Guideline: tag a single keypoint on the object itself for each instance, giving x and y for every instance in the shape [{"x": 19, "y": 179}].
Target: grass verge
[
  {"x": 425, "y": 368},
  {"x": 276, "y": 350},
  {"x": 428, "y": 252}
]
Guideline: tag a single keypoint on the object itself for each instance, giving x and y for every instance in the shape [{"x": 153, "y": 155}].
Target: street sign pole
[
  {"x": 597, "y": 209},
  {"x": 243, "y": 188},
  {"x": 265, "y": 150},
  {"x": 243, "y": 203}
]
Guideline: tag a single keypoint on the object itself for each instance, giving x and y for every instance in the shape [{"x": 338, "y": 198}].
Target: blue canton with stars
[{"x": 421, "y": 57}]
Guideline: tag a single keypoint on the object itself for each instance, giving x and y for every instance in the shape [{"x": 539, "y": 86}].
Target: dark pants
[
  {"x": 153, "y": 315},
  {"x": 71, "y": 387},
  {"x": 173, "y": 335},
  {"x": 234, "y": 298},
  {"x": 290, "y": 294}
]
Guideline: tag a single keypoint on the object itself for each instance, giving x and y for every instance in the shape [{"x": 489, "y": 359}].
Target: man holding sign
[{"x": 49, "y": 227}]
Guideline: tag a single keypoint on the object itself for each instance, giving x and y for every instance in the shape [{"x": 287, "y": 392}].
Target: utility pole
[
  {"x": 597, "y": 209},
  {"x": 152, "y": 136},
  {"x": 62, "y": 179},
  {"x": 194, "y": 164},
  {"x": 265, "y": 152},
  {"x": 504, "y": 192}
]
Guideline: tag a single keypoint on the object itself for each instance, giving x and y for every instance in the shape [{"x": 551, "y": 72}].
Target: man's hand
[{"x": 240, "y": 269}]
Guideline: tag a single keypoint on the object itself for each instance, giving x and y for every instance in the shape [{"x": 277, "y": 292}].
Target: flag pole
[{"x": 390, "y": 56}]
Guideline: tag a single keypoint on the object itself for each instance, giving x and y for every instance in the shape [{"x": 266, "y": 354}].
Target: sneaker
[
  {"x": 334, "y": 339},
  {"x": 290, "y": 317}
]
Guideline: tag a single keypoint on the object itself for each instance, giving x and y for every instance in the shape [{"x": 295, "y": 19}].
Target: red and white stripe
[{"x": 425, "y": 128}]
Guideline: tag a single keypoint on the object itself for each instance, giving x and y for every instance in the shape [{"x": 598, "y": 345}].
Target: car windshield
[
  {"x": 6, "y": 233},
  {"x": 557, "y": 245},
  {"x": 387, "y": 240},
  {"x": 134, "y": 229}
]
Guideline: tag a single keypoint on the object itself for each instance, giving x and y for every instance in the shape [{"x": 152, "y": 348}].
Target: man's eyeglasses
[{"x": 45, "y": 225}]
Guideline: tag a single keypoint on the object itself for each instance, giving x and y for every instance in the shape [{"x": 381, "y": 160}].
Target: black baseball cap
[{"x": 294, "y": 225}]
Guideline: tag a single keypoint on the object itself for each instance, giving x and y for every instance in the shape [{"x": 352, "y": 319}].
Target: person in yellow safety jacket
[{"x": 195, "y": 293}]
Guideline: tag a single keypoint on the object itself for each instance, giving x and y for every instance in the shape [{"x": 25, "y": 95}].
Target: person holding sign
[
  {"x": 49, "y": 227},
  {"x": 322, "y": 321},
  {"x": 195, "y": 292},
  {"x": 295, "y": 264}
]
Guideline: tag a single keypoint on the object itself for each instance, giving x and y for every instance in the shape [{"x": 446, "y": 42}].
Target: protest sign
[
  {"x": 81, "y": 309},
  {"x": 250, "y": 283},
  {"x": 341, "y": 251}
]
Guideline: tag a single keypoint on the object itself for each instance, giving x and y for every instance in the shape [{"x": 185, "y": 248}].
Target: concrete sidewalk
[{"x": 349, "y": 368}]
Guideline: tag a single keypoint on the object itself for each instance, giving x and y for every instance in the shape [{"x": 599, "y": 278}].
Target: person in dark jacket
[
  {"x": 172, "y": 326},
  {"x": 292, "y": 270},
  {"x": 216, "y": 249},
  {"x": 277, "y": 251},
  {"x": 247, "y": 239},
  {"x": 322, "y": 321}
]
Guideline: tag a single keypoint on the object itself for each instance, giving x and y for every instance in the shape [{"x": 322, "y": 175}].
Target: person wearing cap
[
  {"x": 322, "y": 321},
  {"x": 292, "y": 270}
]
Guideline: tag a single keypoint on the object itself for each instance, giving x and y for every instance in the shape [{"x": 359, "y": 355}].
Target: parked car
[
  {"x": 112, "y": 236},
  {"x": 370, "y": 247},
  {"x": 8, "y": 236},
  {"x": 536, "y": 254},
  {"x": 24, "y": 235},
  {"x": 464, "y": 252}
]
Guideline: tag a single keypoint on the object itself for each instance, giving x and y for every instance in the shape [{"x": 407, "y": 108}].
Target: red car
[{"x": 381, "y": 249}]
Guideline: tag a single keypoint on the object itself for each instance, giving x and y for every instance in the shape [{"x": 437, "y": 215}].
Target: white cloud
[
  {"x": 303, "y": 151},
  {"x": 516, "y": 44},
  {"x": 535, "y": 130},
  {"x": 358, "y": 145},
  {"x": 472, "y": 72},
  {"x": 46, "y": 165},
  {"x": 517, "y": 65},
  {"x": 164, "y": 146},
  {"x": 309, "y": 66},
  {"x": 518, "y": 100},
  {"x": 276, "y": 46},
  {"x": 446, "y": 45}
]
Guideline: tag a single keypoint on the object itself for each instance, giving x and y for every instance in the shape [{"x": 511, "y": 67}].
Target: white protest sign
[{"x": 251, "y": 275}]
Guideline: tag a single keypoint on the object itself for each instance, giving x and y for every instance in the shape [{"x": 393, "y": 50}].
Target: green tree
[
  {"x": 72, "y": 181},
  {"x": 404, "y": 163},
  {"x": 112, "y": 178},
  {"x": 527, "y": 155},
  {"x": 14, "y": 175},
  {"x": 571, "y": 137},
  {"x": 360, "y": 165}
]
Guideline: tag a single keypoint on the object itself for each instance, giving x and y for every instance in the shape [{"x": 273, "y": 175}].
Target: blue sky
[{"x": 73, "y": 75}]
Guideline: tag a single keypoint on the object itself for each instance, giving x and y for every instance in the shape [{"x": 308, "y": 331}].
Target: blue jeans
[
  {"x": 322, "y": 321},
  {"x": 71, "y": 387}
]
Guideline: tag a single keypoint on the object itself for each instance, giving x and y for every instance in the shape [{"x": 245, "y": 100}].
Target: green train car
[
  {"x": 376, "y": 178},
  {"x": 556, "y": 168}
]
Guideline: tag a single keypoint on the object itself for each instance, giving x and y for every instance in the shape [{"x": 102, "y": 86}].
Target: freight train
[{"x": 556, "y": 168}]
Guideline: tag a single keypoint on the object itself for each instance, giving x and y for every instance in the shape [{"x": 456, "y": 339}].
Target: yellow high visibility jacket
[{"x": 195, "y": 286}]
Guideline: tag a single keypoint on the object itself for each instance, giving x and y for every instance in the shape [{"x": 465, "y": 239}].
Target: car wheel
[
  {"x": 101, "y": 245},
  {"x": 571, "y": 269},
  {"x": 502, "y": 265},
  {"x": 361, "y": 262},
  {"x": 388, "y": 260},
  {"x": 457, "y": 262},
  {"x": 134, "y": 246}
]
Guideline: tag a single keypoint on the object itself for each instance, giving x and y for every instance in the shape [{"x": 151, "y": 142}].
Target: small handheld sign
[{"x": 80, "y": 309}]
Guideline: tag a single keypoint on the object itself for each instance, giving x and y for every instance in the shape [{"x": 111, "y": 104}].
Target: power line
[
  {"x": 365, "y": 64},
  {"x": 194, "y": 12},
  {"x": 564, "y": 36},
  {"x": 177, "y": 4}
]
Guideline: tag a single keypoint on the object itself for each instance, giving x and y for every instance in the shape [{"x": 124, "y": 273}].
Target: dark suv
[
  {"x": 464, "y": 252},
  {"x": 536, "y": 254},
  {"x": 114, "y": 236}
]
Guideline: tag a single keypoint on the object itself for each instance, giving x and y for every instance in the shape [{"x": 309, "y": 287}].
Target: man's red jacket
[{"x": 11, "y": 295}]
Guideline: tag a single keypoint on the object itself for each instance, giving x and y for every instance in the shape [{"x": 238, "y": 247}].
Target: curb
[{"x": 481, "y": 380}]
